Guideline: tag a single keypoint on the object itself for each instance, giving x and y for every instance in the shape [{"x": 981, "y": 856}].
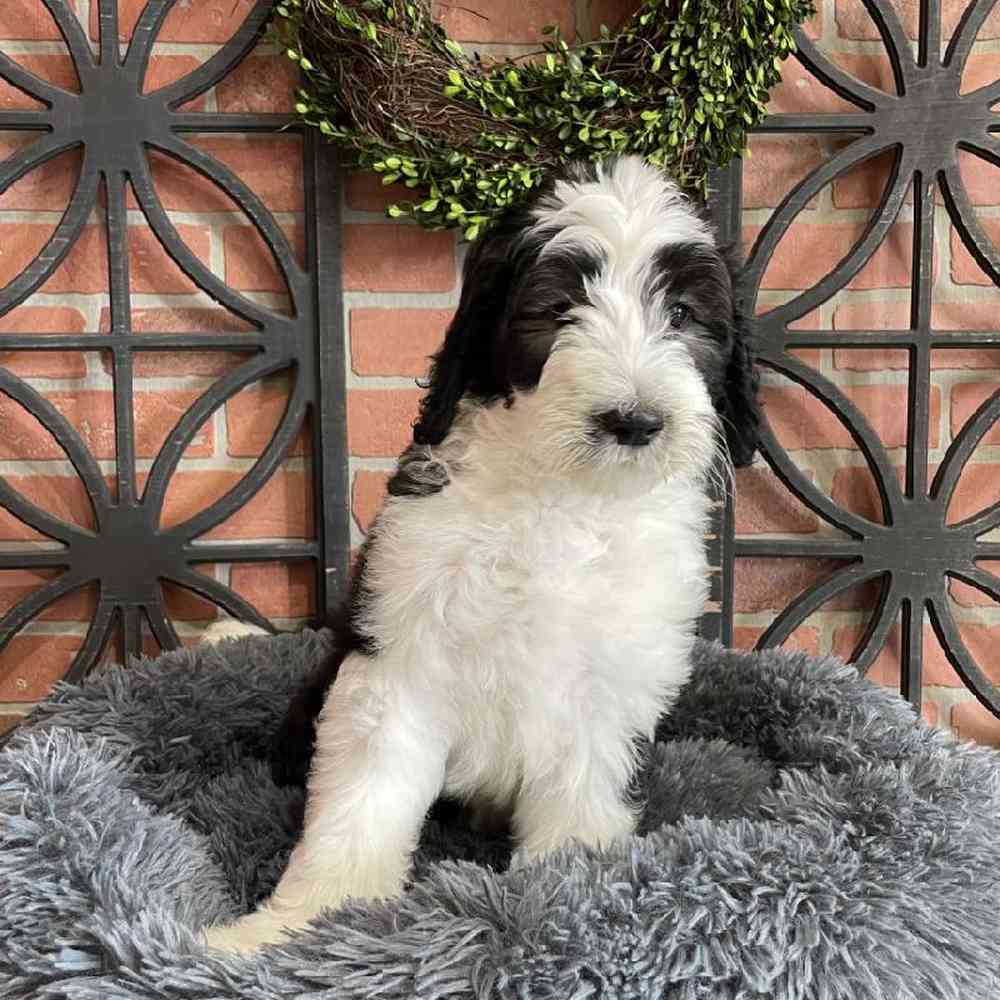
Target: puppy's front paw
[
  {"x": 245, "y": 936},
  {"x": 228, "y": 628}
]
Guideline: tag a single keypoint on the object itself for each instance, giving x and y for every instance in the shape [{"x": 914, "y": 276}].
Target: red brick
[
  {"x": 976, "y": 490},
  {"x": 971, "y": 721},
  {"x": 763, "y": 504},
  {"x": 872, "y": 68},
  {"x": 503, "y": 21},
  {"x": 973, "y": 597},
  {"x": 875, "y": 359},
  {"x": 964, "y": 269},
  {"x": 966, "y": 398},
  {"x": 260, "y": 84},
  {"x": 365, "y": 192},
  {"x": 769, "y": 584},
  {"x": 31, "y": 664},
  {"x": 57, "y": 69},
  {"x": 801, "y": 421},
  {"x": 183, "y": 605},
  {"x": 801, "y": 93},
  {"x": 25, "y": 439},
  {"x": 253, "y": 416},
  {"x": 91, "y": 412},
  {"x": 936, "y": 670},
  {"x": 868, "y": 315},
  {"x": 863, "y": 185},
  {"x": 980, "y": 70},
  {"x": 855, "y": 23},
  {"x": 28, "y": 20},
  {"x": 367, "y": 495},
  {"x": 204, "y": 21},
  {"x": 151, "y": 268},
  {"x": 813, "y": 27},
  {"x": 85, "y": 268},
  {"x": 281, "y": 509},
  {"x": 158, "y": 364},
  {"x": 804, "y": 639},
  {"x": 49, "y": 186},
  {"x": 271, "y": 166},
  {"x": 388, "y": 258},
  {"x": 43, "y": 364},
  {"x": 396, "y": 341},
  {"x": 775, "y": 166},
  {"x": 156, "y": 413},
  {"x": 379, "y": 421},
  {"x": 16, "y": 585},
  {"x": 982, "y": 179},
  {"x": 277, "y": 590},
  {"x": 854, "y": 489},
  {"x": 63, "y": 497},
  {"x": 164, "y": 70},
  {"x": 250, "y": 265},
  {"x": 610, "y": 12},
  {"x": 807, "y": 355},
  {"x": 969, "y": 315},
  {"x": 805, "y": 253}
]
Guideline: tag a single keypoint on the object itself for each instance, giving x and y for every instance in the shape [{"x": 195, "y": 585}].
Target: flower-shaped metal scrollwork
[
  {"x": 117, "y": 126},
  {"x": 914, "y": 551}
]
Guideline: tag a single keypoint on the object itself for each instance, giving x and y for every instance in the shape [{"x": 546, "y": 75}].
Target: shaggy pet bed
[{"x": 804, "y": 836}]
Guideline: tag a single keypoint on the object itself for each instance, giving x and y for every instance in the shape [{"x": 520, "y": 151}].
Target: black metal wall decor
[
  {"x": 117, "y": 126},
  {"x": 915, "y": 552}
]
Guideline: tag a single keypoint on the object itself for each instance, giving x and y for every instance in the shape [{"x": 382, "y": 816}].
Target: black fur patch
[
  {"x": 705, "y": 279},
  {"x": 512, "y": 305}
]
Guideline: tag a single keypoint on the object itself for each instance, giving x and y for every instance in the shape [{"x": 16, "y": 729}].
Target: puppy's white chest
[{"x": 539, "y": 574}]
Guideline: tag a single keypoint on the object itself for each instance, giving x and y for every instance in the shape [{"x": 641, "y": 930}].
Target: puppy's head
[{"x": 608, "y": 312}]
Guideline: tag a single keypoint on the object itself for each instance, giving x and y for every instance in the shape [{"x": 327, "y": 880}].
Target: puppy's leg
[
  {"x": 379, "y": 764},
  {"x": 581, "y": 796},
  {"x": 228, "y": 628}
]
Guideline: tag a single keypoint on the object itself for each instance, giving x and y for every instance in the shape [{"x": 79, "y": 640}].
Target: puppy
[{"x": 527, "y": 599}]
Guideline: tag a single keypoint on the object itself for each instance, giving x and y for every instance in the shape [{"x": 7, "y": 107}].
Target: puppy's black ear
[
  {"x": 739, "y": 408},
  {"x": 465, "y": 362}
]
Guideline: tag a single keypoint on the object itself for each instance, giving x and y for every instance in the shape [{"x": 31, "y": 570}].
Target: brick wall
[{"x": 401, "y": 287}]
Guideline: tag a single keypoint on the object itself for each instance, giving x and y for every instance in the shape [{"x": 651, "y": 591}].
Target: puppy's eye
[{"x": 678, "y": 315}]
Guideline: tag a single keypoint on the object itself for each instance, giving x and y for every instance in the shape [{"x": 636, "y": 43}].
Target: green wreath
[{"x": 680, "y": 83}]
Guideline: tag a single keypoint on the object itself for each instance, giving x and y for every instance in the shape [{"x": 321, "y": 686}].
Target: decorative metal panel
[
  {"x": 915, "y": 552},
  {"x": 118, "y": 126}
]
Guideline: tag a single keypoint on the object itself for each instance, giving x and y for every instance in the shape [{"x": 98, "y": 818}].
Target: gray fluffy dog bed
[{"x": 804, "y": 837}]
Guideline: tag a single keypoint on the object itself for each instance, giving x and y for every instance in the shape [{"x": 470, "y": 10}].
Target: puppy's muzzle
[{"x": 634, "y": 429}]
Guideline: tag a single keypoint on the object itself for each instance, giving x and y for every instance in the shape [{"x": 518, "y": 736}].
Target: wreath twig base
[{"x": 679, "y": 83}]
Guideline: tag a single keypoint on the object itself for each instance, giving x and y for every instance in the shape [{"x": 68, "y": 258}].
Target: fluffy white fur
[{"x": 536, "y": 615}]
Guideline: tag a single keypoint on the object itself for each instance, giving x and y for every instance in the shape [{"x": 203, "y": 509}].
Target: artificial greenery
[{"x": 680, "y": 83}]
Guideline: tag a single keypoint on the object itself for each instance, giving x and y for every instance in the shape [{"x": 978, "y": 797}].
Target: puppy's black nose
[{"x": 635, "y": 428}]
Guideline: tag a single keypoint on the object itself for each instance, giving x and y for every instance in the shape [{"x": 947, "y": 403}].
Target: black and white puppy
[{"x": 528, "y": 596}]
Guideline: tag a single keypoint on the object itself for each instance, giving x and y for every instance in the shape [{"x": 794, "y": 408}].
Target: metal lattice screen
[
  {"x": 914, "y": 543},
  {"x": 120, "y": 124}
]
